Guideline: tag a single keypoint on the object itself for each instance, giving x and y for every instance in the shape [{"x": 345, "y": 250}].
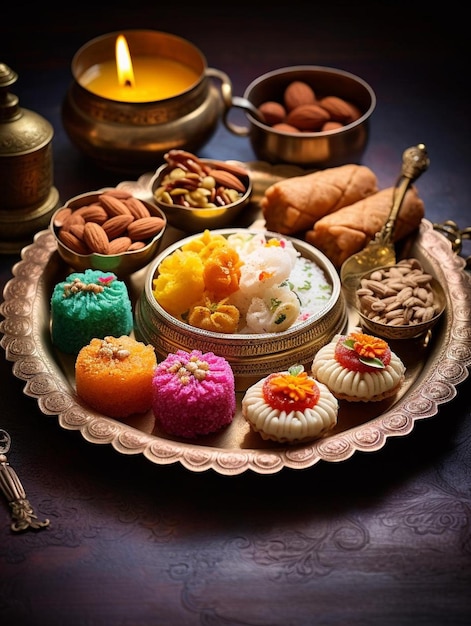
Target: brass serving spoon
[{"x": 380, "y": 250}]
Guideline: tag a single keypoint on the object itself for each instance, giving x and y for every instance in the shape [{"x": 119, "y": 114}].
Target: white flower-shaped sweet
[{"x": 275, "y": 312}]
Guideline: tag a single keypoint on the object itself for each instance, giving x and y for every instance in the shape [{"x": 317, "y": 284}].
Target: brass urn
[{"x": 26, "y": 169}]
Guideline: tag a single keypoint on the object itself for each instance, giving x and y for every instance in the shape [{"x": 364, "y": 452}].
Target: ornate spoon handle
[
  {"x": 415, "y": 161},
  {"x": 22, "y": 513}
]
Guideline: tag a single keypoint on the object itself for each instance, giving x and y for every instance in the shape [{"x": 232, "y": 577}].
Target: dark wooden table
[{"x": 380, "y": 539}]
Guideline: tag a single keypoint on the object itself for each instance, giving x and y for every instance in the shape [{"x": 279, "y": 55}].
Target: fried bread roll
[
  {"x": 293, "y": 205},
  {"x": 348, "y": 230}
]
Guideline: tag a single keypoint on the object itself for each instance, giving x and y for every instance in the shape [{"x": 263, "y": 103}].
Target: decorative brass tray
[{"x": 434, "y": 367}]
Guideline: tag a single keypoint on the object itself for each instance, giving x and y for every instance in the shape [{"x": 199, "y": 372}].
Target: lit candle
[{"x": 142, "y": 79}]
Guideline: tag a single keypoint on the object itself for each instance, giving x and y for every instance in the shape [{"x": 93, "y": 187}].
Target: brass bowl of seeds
[
  {"x": 401, "y": 301},
  {"x": 196, "y": 194}
]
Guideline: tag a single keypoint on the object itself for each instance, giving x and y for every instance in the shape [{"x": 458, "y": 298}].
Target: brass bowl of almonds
[
  {"x": 401, "y": 301},
  {"x": 305, "y": 115},
  {"x": 108, "y": 230},
  {"x": 197, "y": 194}
]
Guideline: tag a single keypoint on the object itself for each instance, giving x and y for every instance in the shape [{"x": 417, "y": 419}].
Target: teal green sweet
[{"x": 87, "y": 305}]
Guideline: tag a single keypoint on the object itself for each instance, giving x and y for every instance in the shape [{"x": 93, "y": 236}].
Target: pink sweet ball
[{"x": 193, "y": 394}]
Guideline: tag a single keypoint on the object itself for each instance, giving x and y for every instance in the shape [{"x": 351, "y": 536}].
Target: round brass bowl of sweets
[
  {"x": 108, "y": 230},
  {"x": 261, "y": 300}
]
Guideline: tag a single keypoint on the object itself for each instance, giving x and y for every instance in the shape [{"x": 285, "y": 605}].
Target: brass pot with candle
[{"x": 166, "y": 99}]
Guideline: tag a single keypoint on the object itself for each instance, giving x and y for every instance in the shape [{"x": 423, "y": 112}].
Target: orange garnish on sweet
[
  {"x": 293, "y": 390},
  {"x": 369, "y": 346},
  {"x": 360, "y": 352}
]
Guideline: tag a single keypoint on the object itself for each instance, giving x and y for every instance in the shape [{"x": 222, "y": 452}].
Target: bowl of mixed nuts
[
  {"x": 108, "y": 230},
  {"x": 400, "y": 301},
  {"x": 306, "y": 115},
  {"x": 196, "y": 194}
]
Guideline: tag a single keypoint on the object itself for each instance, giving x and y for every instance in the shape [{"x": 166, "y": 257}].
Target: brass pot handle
[
  {"x": 230, "y": 102},
  {"x": 455, "y": 236},
  {"x": 240, "y": 103},
  {"x": 226, "y": 85}
]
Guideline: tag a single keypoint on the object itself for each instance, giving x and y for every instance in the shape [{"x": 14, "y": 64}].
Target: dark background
[
  {"x": 408, "y": 52},
  {"x": 380, "y": 539}
]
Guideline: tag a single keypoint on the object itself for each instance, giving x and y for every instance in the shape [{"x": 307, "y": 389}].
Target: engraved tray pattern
[{"x": 434, "y": 370}]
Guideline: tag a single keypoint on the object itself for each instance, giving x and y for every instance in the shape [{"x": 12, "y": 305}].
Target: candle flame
[{"x": 123, "y": 63}]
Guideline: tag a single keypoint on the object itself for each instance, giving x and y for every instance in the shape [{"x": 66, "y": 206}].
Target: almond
[
  {"x": 310, "y": 117},
  {"x": 116, "y": 225},
  {"x": 113, "y": 206},
  {"x": 92, "y": 213},
  {"x": 74, "y": 218},
  {"x": 119, "y": 245},
  {"x": 137, "y": 207},
  {"x": 72, "y": 242},
  {"x": 61, "y": 216},
  {"x": 340, "y": 110},
  {"x": 137, "y": 245},
  {"x": 230, "y": 166},
  {"x": 226, "y": 179},
  {"x": 121, "y": 194},
  {"x": 145, "y": 228},
  {"x": 332, "y": 126},
  {"x": 272, "y": 112},
  {"x": 96, "y": 238},
  {"x": 77, "y": 230},
  {"x": 285, "y": 128},
  {"x": 297, "y": 93},
  {"x": 356, "y": 112}
]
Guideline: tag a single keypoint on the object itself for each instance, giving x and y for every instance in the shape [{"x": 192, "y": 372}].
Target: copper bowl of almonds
[
  {"x": 305, "y": 115},
  {"x": 198, "y": 194},
  {"x": 108, "y": 230},
  {"x": 401, "y": 301}
]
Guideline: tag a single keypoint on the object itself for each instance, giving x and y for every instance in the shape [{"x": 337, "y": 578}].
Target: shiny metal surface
[
  {"x": 23, "y": 515},
  {"x": 121, "y": 264},
  {"x": 251, "y": 356},
  {"x": 197, "y": 219},
  {"x": 26, "y": 172},
  {"x": 381, "y": 250},
  {"x": 397, "y": 333},
  {"x": 130, "y": 138},
  {"x": 309, "y": 149},
  {"x": 28, "y": 195},
  {"x": 50, "y": 377},
  {"x": 378, "y": 537}
]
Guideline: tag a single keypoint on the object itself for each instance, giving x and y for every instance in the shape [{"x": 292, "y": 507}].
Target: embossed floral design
[{"x": 23, "y": 330}]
